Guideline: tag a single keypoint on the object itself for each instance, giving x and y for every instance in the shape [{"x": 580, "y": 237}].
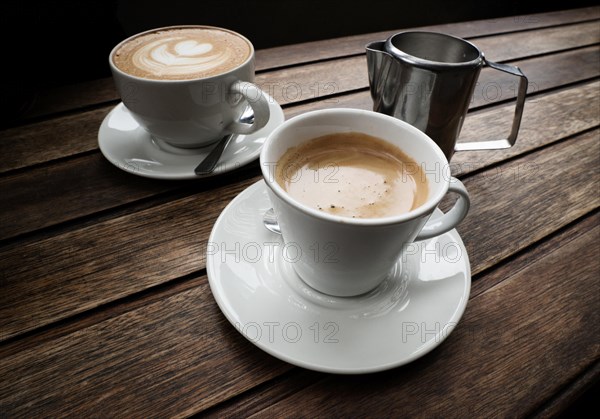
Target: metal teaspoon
[{"x": 207, "y": 166}]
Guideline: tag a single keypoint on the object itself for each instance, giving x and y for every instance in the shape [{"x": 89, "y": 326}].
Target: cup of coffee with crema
[
  {"x": 188, "y": 85},
  {"x": 351, "y": 189}
]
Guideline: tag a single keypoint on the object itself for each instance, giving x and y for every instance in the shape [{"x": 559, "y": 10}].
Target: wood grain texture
[
  {"x": 529, "y": 353},
  {"x": 525, "y": 256},
  {"x": 353, "y": 45},
  {"x": 258, "y": 398},
  {"x": 72, "y": 97},
  {"x": 148, "y": 362},
  {"x": 80, "y": 269},
  {"x": 88, "y": 184},
  {"x": 179, "y": 355},
  {"x": 69, "y": 135},
  {"x": 546, "y": 119},
  {"x": 492, "y": 86},
  {"x": 323, "y": 79},
  {"x": 571, "y": 394},
  {"x": 541, "y": 41},
  {"x": 84, "y": 186},
  {"x": 495, "y": 86},
  {"x": 520, "y": 202},
  {"x": 297, "y": 380},
  {"x": 105, "y": 309},
  {"x": 50, "y": 140},
  {"x": 95, "y": 92},
  {"x": 77, "y": 271}
]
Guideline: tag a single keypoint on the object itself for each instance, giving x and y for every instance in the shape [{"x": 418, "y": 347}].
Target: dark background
[{"x": 63, "y": 42}]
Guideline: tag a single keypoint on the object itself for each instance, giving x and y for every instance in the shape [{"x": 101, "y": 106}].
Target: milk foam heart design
[
  {"x": 179, "y": 56},
  {"x": 182, "y": 54},
  {"x": 191, "y": 48}
]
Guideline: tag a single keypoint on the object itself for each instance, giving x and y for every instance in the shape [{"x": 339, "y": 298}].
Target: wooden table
[{"x": 105, "y": 307}]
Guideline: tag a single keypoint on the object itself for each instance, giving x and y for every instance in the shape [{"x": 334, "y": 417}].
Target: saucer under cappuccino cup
[
  {"x": 188, "y": 85},
  {"x": 351, "y": 251}
]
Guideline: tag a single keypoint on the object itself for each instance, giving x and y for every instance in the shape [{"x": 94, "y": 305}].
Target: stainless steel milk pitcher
[{"x": 427, "y": 79}]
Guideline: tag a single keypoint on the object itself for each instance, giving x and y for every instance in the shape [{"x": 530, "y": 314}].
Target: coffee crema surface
[
  {"x": 353, "y": 175},
  {"x": 182, "y": 53}
]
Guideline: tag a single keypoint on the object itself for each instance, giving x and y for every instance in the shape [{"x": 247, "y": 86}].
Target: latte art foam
[{"x": 182, "y": 53}]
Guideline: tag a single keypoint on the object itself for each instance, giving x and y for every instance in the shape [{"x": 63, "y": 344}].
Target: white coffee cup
[
  {"x": 345, "y": 256},
  {"x": 191, "y": 113}
]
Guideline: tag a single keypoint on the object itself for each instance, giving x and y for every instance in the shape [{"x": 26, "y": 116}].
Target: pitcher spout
[
  {"x": 376, "y": 60},
  {"x": 379, "y": 64}
]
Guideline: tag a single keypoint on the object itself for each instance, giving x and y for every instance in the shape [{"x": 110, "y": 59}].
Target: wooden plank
[
  {"x": 50, "y": 140},
  {"x": 41, "y": 188},
  {"x": 529, "y": 199},
  {"x": 46, "y": 196},
  {"x": 529, "y": 354},
  {"x": 149, "y": 362},
  {"x": 95, "y": 92},
  {"x": 174, "y": 372},
  {"x": 542, "y": 41},
  {"x": 492, "y": 86},
  {"x": 321, "y": 80},
  {"x": 495, "y": 86},
  {"x": 582, "y": 387},
  {"x": 69, "y": 273},
  {"x": 70, "y": 97},
  {"x": 546, "y": 118},
  {"x": 77, "y": 271},
  {"x": 352, "y": 45},
  {"x": 258, "y": 398},
  {"x": 261, "y": 398},
  {"x": 104, "y": 186},
  {"x": 78, "y": 133},
  {"x": 523, "y": 256},
  {"x": 179, "y": 355}
]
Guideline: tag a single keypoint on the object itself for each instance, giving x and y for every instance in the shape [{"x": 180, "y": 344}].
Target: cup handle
[
  {"x": 512, "y": 137},
  {"x": 450, "y": 219},
  {"x": 257, "y": 101}
]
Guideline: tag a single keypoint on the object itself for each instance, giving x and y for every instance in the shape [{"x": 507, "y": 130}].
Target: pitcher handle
[{"x": 512, "y": 137}]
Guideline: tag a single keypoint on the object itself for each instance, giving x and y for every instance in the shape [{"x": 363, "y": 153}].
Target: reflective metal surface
[
  {"x": 427, "y": 79},
  {"x": 270, "y": 221}
]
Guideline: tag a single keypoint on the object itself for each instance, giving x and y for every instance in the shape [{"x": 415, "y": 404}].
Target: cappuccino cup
[
  {"x": 352, "y": 189},
  {"x": 189, "y": 85}
]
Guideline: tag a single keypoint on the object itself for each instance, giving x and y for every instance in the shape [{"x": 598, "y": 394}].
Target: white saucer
[
  {"x": 408, "y": 315},
  {"x": 131, "y": 148}
]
